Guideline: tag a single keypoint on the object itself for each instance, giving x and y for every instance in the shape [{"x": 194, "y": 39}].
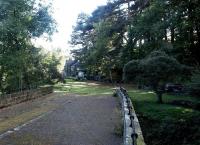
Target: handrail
[{"x": 132, "y": 134}]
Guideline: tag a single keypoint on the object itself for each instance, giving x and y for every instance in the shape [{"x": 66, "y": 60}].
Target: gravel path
[{"x": 73, "y": 120}]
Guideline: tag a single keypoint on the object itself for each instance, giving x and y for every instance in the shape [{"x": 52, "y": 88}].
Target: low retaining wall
[
  {"x": 15, "y": 98},
  {"x": 132, "y": 134}
]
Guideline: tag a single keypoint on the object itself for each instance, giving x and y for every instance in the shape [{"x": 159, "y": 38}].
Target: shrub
[
  {"x": 171, "y": 132},
  {"x": 193, "y": 87},
  {"x": 155, "y": 70}
]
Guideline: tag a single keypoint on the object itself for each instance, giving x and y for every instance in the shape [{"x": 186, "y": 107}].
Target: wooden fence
[
  {"x": 132, "y": 133},
  {"x": 15, "y": 98}
]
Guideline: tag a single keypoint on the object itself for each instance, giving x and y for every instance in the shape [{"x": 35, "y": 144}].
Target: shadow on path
[{"x": 69, "y": 120}]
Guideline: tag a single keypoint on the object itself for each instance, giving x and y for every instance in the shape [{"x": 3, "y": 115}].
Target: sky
[{"x": 65, "y": 13}]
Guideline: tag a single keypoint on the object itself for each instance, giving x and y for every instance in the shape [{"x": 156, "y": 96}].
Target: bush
[
  {"x": 131, "y": 70},
  {"x": 193, "y": 87},
  {"x": 171, "y": 132},
  {"x": 155, "y": 70}
]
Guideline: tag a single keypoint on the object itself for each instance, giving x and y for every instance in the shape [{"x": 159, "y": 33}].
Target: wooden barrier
[
  {"x": 15, "y": 98},
  {"x": 132, "y": 134}
]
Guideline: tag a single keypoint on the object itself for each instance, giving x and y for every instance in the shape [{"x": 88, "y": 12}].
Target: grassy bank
[{"x": 165, "y": 124}]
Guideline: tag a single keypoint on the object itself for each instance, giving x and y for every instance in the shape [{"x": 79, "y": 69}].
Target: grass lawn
[
  {"x": 84, "y": 88},
  {"x": 165, "y": 124}
]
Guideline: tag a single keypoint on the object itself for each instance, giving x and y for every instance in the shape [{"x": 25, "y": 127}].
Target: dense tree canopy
[
  {"x": 121, "y": 31},
  {"x": 22, "y": 65}
]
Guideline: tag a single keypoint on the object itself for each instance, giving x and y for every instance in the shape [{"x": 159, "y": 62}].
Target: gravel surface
[{"x": 73, "y": 120}]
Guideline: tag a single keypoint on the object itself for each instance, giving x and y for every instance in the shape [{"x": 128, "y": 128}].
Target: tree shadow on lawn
[
  {"x": 84, "y": 88},
  {"x": 166, "y": 124}
]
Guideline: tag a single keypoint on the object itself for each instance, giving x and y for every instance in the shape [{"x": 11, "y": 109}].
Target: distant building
[{"x": 74, "y": 69}]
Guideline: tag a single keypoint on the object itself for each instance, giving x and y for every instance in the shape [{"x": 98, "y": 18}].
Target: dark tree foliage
[
  {"x": 22, "y": 65},
  {"x": 155, "y": 70},
  {"x": 121, "y": 31}
]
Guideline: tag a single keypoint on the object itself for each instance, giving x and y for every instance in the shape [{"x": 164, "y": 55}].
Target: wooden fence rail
[
  {"x": 132, "y": 134},
  {"x": 15, "y": 98}
]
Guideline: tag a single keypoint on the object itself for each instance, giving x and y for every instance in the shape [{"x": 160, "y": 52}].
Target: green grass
[
  {"x": 83, "y": 88},
  {"x": 165, "y": 124},
  {"x": 145, "y": 102}
]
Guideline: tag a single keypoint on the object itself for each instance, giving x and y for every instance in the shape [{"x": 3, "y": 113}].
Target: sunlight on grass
[
  {"x": 67, "y": 86},
  {"x": 145, "y": 103},
  {"x": 158, "y": 119},
  {"x": 83, "y": 88},
  {"x": 93, "y": 84},
  {"x": 144, "y": 93},
  {"x": 78, "y": 86}
]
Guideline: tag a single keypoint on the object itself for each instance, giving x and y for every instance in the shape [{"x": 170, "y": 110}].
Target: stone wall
[{"x": 15, "y": 98}]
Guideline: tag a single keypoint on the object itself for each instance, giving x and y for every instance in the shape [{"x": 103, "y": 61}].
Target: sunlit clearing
[
  {"x": 78, "y": 86},
  {"x": 93, "y": 84},
  {"x": 150, "y": 92}
]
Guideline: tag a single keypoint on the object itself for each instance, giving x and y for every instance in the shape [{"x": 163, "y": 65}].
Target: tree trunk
[
  {"x": 111, "y": 78},
  {"x": 159, "y": 91},
  {"x": 198, "y": 34},
  {"x": 1, "y": 79},
  {"x": 1, "y": 86},
  {"x": 198, "y": 42},
  {"x": 172, "y": 35},
  {"x": 159, "y": 97},
  {"x": 191, "y": 39},
  {"x": 165, "y": 35}
]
